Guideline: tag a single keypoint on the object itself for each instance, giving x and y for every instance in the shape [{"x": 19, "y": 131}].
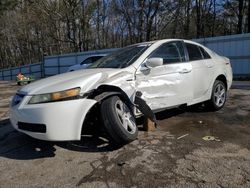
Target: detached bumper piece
[
  {"x": 32, "y": 127},
  {"x": 144, "y": 108}
]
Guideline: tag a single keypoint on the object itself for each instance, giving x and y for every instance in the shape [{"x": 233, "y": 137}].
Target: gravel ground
[{"x": 175, "y": 155}]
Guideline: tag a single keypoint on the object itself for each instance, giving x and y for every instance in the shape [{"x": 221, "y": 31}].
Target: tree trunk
[
  {"x": 187, "y": 24},
  {"x": 141, "y": 20},
  {"x": 248, "y": 16},
  {"x": 240, "y": 16},
  {"x": 214, "y": 17},
  {"x": 198, "y": 18},
  {"x": 98, "y": 23},
  {"x": 151, "y": 18}
]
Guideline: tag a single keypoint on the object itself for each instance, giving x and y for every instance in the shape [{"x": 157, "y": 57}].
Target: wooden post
[{"x": 149, "y": 125}]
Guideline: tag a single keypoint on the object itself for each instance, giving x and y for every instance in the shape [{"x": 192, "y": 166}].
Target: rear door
[
  {"x": 170, "y": 84},
  {"x": 202, "y": 67}
]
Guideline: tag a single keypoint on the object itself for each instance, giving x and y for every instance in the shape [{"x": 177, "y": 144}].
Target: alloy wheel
[
  {"x": 125, "y": 117},
  {"x": 219, "y": 95}
]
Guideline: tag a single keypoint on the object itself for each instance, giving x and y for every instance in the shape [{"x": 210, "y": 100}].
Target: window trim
[
  {"x": 199, "y": 51},
  {"x": 201, "y": 48}
]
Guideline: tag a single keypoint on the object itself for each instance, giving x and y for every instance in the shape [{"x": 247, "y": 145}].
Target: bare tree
[
  {"x": 248, "y": 17},
  {"x": 240, "y": 16},
  {"x": 31, "y": 29}
]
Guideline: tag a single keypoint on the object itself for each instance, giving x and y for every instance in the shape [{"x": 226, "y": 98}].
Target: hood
[{"x": 87, "y": 79}]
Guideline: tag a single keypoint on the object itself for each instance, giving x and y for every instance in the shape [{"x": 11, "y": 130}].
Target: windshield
[{"x": 121, "y": 58}]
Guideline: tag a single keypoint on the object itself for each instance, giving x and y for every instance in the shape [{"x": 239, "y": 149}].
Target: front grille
[
  {"x": 32, "y": 127},
  {"x": 17, "y": 99}
]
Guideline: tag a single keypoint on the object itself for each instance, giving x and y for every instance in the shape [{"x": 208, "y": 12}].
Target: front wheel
[
  {"x": 119, "y": 121},
  {"x": 218, "y": 97}
]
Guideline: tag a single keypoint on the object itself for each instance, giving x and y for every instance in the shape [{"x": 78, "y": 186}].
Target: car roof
[{"x": 167, "y": 40}]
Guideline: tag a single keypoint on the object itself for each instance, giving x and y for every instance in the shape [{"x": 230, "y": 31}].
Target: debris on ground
[
  {"x": 211, "y": 138},
  {"x": 121, "y": 163},
  {"x": 182, "y": 136}
]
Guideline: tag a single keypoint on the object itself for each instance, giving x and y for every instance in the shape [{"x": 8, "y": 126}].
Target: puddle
[
  {"x": 197, "y": 128},
  {"x": 183, "y": 125}
]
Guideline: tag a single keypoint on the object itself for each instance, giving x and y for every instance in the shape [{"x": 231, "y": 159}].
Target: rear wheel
[
  {"x": 219, "y": 96},
  {"x": 119, "y": 121}
]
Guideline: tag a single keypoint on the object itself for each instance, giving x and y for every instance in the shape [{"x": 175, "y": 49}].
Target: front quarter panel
[{"x": 123, "y": 80}]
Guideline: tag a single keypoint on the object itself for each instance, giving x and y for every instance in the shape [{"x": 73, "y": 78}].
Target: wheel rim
[
  {"x": 219, "y": 95},
  {"x": 125, "y": 117}
]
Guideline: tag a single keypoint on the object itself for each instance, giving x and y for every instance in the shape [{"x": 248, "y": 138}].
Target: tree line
[{"x": 31, "y": 29}]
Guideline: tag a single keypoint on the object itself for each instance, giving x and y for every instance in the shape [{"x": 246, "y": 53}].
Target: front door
[{"x": 167, "y": 85}]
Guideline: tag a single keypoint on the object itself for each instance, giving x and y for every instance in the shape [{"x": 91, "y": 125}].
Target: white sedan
[
  {"x": 138, "y": 79},
  {"x": 86, "y": 62}
]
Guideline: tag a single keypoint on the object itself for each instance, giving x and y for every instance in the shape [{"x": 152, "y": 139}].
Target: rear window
[
  {"x": 194, "y": 52},
  {"x": 204, "y": 53}
]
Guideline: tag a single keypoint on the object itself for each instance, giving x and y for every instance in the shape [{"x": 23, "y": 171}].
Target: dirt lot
[{"x": 157, "y": 159}]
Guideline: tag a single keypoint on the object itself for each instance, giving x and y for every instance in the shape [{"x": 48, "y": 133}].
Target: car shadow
[
  {"x": 16, "y": 145},
  {"x": 168, "y": 113},
  {"x": 19, "y": 146},
  {"x": 90, "y": 143}
]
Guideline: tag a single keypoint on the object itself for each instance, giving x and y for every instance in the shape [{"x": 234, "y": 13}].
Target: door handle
[{"x": 184, "y": 71}]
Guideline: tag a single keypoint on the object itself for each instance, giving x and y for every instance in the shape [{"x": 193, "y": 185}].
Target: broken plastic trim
[{"x": 144, "y": 108}]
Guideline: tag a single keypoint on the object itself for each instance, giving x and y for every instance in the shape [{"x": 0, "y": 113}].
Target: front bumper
[{"x": 63, "y": 120}]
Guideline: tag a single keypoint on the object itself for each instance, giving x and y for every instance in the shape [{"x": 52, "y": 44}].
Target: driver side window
[{"x": 171, "y": 52}]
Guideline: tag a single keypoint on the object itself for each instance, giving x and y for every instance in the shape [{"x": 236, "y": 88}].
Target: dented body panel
[{"x": 163, "y": 86}]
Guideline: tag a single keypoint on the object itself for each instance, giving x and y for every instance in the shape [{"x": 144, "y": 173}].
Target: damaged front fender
[{"x": 106, "y": 91}]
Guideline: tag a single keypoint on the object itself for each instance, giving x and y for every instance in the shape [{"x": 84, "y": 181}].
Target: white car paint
[
  {"x": 84, "y": 63},
  {"x": 165, "y": 78},
  {"x": 162, "y": 87}
]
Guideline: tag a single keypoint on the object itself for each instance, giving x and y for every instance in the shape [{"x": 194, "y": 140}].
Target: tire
[
  {"x": 218, "y": 97},
  {"x": 119, "y": 121}
]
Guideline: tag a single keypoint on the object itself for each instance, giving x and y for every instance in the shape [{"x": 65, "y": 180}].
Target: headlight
[{"x": 56, "y": 96}]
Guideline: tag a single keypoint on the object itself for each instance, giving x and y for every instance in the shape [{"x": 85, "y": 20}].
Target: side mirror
[{"x": 154, "y": 62}]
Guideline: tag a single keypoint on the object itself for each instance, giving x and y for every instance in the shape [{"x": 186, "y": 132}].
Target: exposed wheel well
[
  {"x": 101, "y": 93},
  {"x": 223, "y": 79},
  {"x": 107, "y": 90}
]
